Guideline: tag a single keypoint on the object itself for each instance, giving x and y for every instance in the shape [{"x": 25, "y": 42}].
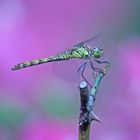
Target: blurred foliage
[
  {"x": 58, "y": 103},
  {"x": 11, "y": 115},
  {"x": 136, "y": 17},
  {"x": 131, "y": 27}
]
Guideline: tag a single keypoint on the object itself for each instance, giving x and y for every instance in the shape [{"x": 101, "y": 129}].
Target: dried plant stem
[{"x": 87, "y": 99}]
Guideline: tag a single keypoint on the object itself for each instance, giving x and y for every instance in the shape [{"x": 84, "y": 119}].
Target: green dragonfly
[{"x": 78, "y": 51}]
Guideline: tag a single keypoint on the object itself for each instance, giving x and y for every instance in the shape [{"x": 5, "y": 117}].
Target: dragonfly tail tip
[{"x": 13, "y": 69}]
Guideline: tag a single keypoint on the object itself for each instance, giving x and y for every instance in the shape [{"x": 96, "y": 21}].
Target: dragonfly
[{"x": 78, "y": 51}]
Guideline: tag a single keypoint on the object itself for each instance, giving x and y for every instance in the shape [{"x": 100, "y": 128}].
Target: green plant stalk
[{"x": 98, "y": 79}]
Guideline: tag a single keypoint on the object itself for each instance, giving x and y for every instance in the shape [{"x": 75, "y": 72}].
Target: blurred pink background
[{"x": 42, "y": 102}]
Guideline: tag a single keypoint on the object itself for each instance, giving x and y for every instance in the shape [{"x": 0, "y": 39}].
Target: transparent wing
[
  {"x": 67, "y": 70},
  {"x": 90, "y": 40},
  {"x": 81, "y": 44}
]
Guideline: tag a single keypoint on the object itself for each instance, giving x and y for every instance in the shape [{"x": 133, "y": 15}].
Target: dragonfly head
[{"x": 97, "y": 52}]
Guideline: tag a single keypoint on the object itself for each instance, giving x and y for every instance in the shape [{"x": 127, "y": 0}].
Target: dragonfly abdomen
[
  {"x": 30, "y": 63},
  {"x": 80, "y": 53},
  {"x": 58, "y": 57}
]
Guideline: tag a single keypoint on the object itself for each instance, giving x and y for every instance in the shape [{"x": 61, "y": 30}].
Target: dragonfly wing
[
  {"x": 87, "y": 41},
  {"x": 67, "y": 70},
  {"x": 81, "y": 44}
]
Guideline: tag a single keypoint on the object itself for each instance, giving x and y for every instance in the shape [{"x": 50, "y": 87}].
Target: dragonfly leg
[
  {"x": 95, "y": 70},
  {"x": 82, "y": 67},
  {"x": 102, "y": 62}
]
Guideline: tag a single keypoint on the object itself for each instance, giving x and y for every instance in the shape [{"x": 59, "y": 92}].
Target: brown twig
[{"x": 87, "y": 101}]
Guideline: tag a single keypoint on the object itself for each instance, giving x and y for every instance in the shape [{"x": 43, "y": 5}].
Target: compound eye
[
  {"x": 97, "y": 52},
  {"x": 96, "y": 49}
]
